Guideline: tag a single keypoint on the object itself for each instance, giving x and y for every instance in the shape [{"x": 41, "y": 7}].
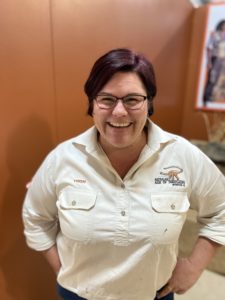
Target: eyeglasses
[{"x": 132, "y": 101}]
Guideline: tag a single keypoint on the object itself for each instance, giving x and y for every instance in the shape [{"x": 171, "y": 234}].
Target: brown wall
[
  {"x": 193, "y": 126},
  {"x": 27, "y": 131},
  {"x": 46, "y": 51}
]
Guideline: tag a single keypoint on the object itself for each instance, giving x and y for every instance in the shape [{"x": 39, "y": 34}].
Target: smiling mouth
[{"x": 119, "y": 125}]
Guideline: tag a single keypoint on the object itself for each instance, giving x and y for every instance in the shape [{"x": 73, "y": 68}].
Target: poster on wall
[{"x": 211, "y": 85}]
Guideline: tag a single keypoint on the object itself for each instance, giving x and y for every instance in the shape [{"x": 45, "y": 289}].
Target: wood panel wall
[{"x": 46, "y": 51}]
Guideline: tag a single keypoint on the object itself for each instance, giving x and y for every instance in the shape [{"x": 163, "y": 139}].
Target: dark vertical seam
[{"x": 53, "y": 62}]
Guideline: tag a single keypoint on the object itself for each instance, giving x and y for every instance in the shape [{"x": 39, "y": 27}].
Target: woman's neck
[{"x": 122, "y": 159}]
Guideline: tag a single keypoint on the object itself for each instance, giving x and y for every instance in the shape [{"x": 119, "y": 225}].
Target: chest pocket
[
  {"x": 174, "y": 202},
  {"x": 169, "y": 213},
  {"x": 75, "y": 208}
]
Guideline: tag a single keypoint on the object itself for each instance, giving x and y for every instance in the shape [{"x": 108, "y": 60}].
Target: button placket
[{"x": 121, "y": 231}]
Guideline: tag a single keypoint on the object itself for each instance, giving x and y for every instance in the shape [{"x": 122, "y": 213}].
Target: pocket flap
[
  {"x": 73, "y": 199},
  {"x": 170, "y": 202}
]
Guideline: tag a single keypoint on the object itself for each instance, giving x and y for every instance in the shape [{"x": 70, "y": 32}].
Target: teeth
[{"x": 119, "y": 124}]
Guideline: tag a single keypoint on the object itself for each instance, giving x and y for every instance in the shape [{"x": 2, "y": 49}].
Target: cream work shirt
[{"x": 117, "y": 239}]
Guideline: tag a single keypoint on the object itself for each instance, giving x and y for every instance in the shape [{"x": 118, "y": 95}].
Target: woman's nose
[{"x": 119, "y": 109}]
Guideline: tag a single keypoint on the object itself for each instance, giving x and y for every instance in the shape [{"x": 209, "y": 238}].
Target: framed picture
[{"x": 211, "y": 81}]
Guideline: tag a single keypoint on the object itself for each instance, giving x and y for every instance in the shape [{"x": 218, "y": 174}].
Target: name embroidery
[{"x": 80, "y": 180}]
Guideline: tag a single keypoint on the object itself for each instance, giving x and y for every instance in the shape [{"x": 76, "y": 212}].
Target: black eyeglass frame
[{"x": 122, "y": 99}]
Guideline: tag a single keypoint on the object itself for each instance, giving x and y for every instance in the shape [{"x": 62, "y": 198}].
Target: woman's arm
[
  {"x": 188, "y": 270},
  {"x": 52, "y": 256}
]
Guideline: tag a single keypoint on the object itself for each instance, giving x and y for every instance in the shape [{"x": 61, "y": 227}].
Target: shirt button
[
  {"x": 74, "y": 203},
  {"x": 173, "y": 206},
  {"x": 123, "y": 213}
]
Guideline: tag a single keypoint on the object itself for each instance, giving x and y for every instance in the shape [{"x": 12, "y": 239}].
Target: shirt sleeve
[
  {"x": 208, "y": 198},
  {"x": 39, "y": 210}
]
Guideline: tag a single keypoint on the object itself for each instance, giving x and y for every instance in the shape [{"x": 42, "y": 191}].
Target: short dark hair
[{"x": 120, "y": 60}]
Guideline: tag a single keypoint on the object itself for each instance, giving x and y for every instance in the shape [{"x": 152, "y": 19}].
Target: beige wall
[{"x": 46, "y": 51}]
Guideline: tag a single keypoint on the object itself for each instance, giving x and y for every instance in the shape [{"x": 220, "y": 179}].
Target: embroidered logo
[{"x": 170, "y": 175}]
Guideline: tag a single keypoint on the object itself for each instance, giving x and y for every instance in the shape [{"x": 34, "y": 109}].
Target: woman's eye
[
  {"x": 131, "y": 100},
  {"x": 108, "y": 99}
]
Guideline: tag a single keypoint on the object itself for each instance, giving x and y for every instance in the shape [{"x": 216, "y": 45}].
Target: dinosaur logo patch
[{"x": 170, "y": 175}]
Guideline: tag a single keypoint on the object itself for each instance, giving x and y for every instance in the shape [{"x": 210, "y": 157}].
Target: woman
[{"x": 106, "y": 208}]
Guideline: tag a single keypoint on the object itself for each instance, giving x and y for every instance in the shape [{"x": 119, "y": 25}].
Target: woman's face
[{"x": 120, "y": 127}]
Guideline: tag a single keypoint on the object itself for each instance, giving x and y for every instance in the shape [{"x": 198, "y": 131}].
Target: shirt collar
[
  {"x": 156, "y": 138},
  {"x": 87, "y": 139}
]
